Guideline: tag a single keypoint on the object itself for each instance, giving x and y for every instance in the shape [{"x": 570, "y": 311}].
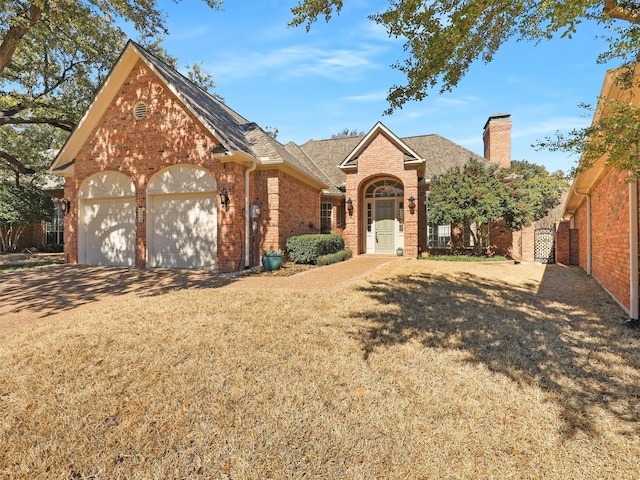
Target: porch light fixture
[
  {"x": 349, "y": 203},
  {"x": 65, "y": 206},
  {"x": 412, "y": 204},
  {"x": 224, "y": 198}
]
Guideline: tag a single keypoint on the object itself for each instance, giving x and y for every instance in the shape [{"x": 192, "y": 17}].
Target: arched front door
[{"x": 384, "y": 213}]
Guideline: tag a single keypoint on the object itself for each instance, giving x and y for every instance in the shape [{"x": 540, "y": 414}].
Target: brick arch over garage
[
  {"x": 182, "y": 217},
  {"x": 106, "y": 220}
]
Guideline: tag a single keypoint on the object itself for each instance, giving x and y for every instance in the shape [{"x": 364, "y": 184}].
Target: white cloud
[
  {"x": 549, "y": 126},
  {"x": 378, "y": 96},
  {"x": 337, "y": 64}
]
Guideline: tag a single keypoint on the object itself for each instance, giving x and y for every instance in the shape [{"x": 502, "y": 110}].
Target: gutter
[{"x": 247, "y": 213}]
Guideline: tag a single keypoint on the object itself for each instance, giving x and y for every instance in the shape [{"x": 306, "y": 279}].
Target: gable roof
[
  {"x": 221, "y": 121},
  {"x": 410, "y": 156},
  {"x": 321, "y": 163},
  {"x": 435, "y": 152},
  {"x": 236, "y": 134}
]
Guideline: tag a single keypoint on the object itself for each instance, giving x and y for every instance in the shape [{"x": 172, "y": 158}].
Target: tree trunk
[{"x": 15, "y": 34}]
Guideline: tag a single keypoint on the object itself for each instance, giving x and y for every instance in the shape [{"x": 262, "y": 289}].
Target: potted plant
[
  {"x": 399, "y": 251},
  {"x": 272, "y": 259}
]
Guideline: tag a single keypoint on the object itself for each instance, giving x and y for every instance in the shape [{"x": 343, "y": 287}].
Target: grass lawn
[{"x": 424, "y": 370}]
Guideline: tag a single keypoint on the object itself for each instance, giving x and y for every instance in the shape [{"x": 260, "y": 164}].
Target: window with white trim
[
  {"x": 326, "y": 217},
  {"x": 55, "y": 228}
]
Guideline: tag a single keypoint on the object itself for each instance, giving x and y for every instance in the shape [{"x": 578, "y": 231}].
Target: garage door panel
[
  {"x": 183, "y": 231},
  {"x": 110, "y": 232}
]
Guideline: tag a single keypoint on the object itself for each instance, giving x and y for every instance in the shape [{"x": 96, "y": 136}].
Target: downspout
[
  {"x": 247, "y": 214},
  {"x": 633, "y": 251},
  {"x": 588, "y": 229}
]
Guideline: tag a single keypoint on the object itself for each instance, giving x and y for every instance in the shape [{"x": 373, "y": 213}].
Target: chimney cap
[{"x": 498, "y": 117}]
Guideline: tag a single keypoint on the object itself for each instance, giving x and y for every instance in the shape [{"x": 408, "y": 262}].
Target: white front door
[{"x": 385, "y": 226}]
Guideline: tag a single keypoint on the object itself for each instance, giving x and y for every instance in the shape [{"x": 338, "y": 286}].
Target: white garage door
[
  {"x": 183, "y": 231},
  {"x": 110, "y": 231},
  {"x": 106, "y": 223}
]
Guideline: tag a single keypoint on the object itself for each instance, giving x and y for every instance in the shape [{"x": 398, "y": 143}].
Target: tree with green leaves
[
  {"x": 22, "y": 205},
  {"x": 471, "y": 195},
  {"x": 531, "y": 192},
  {"x": 614, "y": 134},
  {"x": 481, "y": 193},
  {"x": 444, "y": 37},
  {"x": 53, "y": 56},
  {"x": 346, "y": 133}
]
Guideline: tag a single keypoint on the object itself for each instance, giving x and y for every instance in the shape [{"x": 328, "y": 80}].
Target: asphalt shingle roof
[{"x": 317, "y": 158}]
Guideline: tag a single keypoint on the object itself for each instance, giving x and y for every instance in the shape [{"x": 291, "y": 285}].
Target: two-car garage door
[{"x": 181, "y": 226}]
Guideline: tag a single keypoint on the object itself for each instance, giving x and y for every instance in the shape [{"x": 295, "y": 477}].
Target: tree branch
[
  {"x": 15, "y": 34},
  {"x": 17, "y": 165},
  {"x": 66, "y": 125},
  {"x": 614, "y": 9}
]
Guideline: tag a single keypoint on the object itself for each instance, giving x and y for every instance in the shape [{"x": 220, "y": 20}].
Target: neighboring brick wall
[
  {"x": 574, "y": 239},
  {"x": 500, "y": 239},
  {"x": 563, "y": 243},
  {"x": 381, "y": 159},
  {"x": 610, "y": 234},
  {"x": 580, "y": 226},
  {"x": 167, "y": 135}
]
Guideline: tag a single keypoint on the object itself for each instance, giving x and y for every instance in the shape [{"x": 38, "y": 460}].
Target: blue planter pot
[{"x": 272, "y": 262}]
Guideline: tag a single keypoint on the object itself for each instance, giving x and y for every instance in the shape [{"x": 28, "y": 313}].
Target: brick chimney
[{"x": 497, "y": 139}]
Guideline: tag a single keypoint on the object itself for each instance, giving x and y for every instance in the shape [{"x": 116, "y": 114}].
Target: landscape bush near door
[{"x": 308, "y": 248}]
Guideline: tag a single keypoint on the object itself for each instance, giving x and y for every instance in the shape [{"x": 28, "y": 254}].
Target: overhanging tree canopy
[
  {"x": 444, "y": 37},
  {"x": 53, "y": 56}
]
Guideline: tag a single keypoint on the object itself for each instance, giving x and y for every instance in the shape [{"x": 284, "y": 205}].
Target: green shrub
[
  {"x": 340, "y": 256},
  {"x": 307, "y": 248}
]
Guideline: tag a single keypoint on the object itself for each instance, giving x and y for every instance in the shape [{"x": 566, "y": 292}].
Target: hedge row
[
  {"x": 340, "y": 256},
  {"x": 308, "y": 248}
]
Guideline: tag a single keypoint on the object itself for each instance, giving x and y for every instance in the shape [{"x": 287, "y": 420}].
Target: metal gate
[{"x": 544, "y": 245}]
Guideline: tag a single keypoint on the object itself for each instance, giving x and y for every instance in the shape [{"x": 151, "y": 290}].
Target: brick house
[
  {"x": 160, "y": 174},
  {"x": 602, "y": 212}
]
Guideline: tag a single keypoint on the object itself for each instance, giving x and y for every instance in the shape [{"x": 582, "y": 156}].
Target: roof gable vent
[{"x": 139, "y": 110}]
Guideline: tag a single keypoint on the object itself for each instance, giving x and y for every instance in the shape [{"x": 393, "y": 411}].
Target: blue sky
[{"x": 311, "y": 85}]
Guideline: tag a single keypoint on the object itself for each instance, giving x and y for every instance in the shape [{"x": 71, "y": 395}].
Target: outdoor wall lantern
[
  {"x": 65, "y": 205},
  {"x": 224, "y": 198},
  {"x": 349, "y": 203},
  {"x": 412, "y": 204}
]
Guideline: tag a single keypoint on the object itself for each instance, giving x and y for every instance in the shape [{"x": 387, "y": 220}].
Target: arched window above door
[{"x": 384, "y": 189}]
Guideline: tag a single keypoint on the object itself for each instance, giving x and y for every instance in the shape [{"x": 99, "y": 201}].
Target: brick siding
[
  {"x": 381, "y": 160},
  {"x": 610, "y": 234},
  {"x": 167, "y": 135}
]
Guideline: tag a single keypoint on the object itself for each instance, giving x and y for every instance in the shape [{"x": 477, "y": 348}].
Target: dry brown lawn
[{"x": 423, "y": 370}]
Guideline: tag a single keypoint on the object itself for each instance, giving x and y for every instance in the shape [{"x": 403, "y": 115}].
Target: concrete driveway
[{"x": 31, "y": 297}]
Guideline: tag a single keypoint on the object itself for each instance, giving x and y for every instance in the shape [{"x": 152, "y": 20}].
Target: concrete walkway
[{"x": 329, "y": 278}]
